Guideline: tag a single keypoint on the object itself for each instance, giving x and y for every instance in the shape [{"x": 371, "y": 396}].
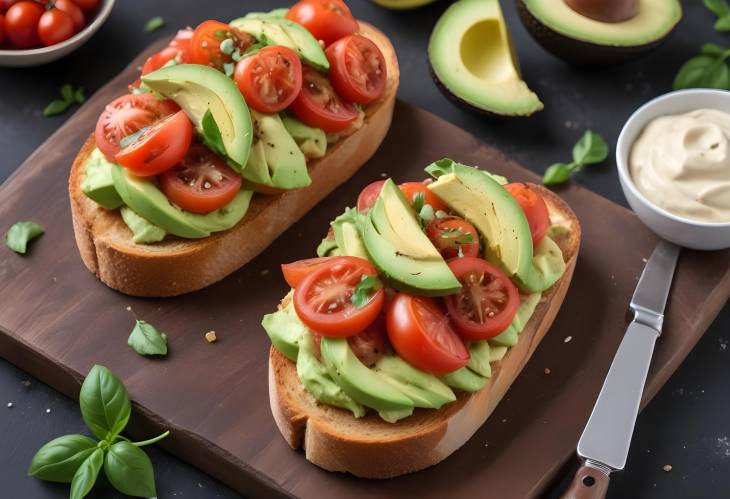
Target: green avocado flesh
[
  {"x": 98, "y": 183},
  {"x": 655, "y": 18},
  {"x": 278, "y": 31},
  {"x": 199, "y": 89},
  {"x": 143, "y": 232},
  {"x": 311, "y": 141},
  {"x": 508, "y": 337},
  {"x": 347, "y": 235},
  {"x": 401, "y": 250},
  {"x": 472, "y": 56}
]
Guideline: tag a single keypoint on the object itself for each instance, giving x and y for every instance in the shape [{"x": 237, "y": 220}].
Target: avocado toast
[
  {"x": 141, "y": 238},
  {"x": 410, "y": 389}
]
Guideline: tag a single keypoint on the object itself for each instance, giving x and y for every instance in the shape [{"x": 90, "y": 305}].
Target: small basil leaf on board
[
  {"x": 58, "y": 460},
  {"x": 104, "y": 403},
  {"x": 712, "y": 49},
  {"x": 723, "y": 24},
  {"x": 18, "y": 236},
  {"x": 56, "y": 107},
  {"x": 85, "y": 476},
  {"x": 67, "y": 92},
  {"x": 365, "y": 289},
  {"x": 703, "y": 71},
  {"x": 557, "y": 174},
  {"x": 718, "y": 7},
  {"x": 145, "y": 339},
  {"x": 129, "y": 470},
  {"x": 79, "y": 96},
  {"x": 590, "y": 149},
  {"x": 154, "y": 24},
  {"x": 212, "y": 134}
]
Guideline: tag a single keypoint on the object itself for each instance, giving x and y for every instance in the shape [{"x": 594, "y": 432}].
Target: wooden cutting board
[{"x": 57, "y": 320}]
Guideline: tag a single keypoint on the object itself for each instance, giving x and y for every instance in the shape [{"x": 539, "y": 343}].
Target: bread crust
[
  {"x": 176, "y": 266},
  {"x": 372, "y": 448}
]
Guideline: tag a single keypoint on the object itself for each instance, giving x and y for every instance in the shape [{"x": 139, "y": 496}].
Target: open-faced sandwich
[
  {"x": 232, "y": 133},
  {"x": 425, "y": 302}
]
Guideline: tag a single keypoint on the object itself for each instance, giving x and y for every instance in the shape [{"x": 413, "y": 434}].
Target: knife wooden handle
[{"x": 588, "y": 483}]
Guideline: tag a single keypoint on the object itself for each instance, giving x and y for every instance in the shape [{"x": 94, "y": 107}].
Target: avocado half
[
  {"x": 474, "y": 63},
  {"x": 584, "y": 41}
]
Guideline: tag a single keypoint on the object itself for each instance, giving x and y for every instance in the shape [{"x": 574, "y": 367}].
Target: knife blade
[{"x": 604, "y": 444}]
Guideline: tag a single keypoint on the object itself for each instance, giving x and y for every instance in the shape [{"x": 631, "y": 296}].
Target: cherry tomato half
[
  {"x": 159, "y": 147},
  {"x": 327, "y": 20},
  {"x": 183, "y": 42},
  {"x": 73, "y": 11},
  {"x": 487, "y": 301},
  {"x": 357, "y": 69},
  {"x": 421, "y": 333},
  {"x": 535, "y": 209},
  {"x": 319, "y": 106},
  {"x": 156, "y": 61},
  {"x": 411, "y": 189},
  {"x": 207, "y": 39},
  {"x": 453, "y": 237},
  {"x": 369, "y": 195},
  {"x": 55, "y": 26},
  {"x": 202, "y": 182},
  {"x": 127, "y": 115},
  {"x": 21, "y": 24},
  {"x": 296, "y": 271},
  {"x": 270, "y": 79},
  {"x": 323, "y": 299}
]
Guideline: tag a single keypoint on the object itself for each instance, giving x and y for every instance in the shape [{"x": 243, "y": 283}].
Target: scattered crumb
[
  {"x": 486, "y": 444},
  {"x": 48, "y": 411},
  {"x": 10, "y": 405},
  {"x": 383, "y": 174},
  {"x": 200, "y": 485},
  {"x": 299, "y": 234},
  {"x": 54, "y": 279},
  {"x": 667, "y": 468},
  {"x": 129, "y": 308},
  {"x": 26, "y": 383},
  {"x": 210, "y": 337},
  {"x": 265, "y": 272},
  {"x": 723, "y": 446},
  {"x": 644, "y": 260},
  {"x": 547, "y": 370},
  {"x": 723, "y": 343},
  {"x": 648, "y": 451},
  {"x": 504, "y": 420},
  {"x": 567, "y": 339},
  {"x": 568, "y": 124}
]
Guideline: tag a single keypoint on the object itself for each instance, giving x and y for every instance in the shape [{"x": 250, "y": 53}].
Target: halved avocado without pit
[
  {"x": 474, "y": 63},
  {"x": 599, "y": 32}
]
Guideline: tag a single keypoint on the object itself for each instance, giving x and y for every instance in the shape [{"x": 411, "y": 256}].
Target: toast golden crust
[
  {"x": 372, "y": 448},
  {"x": 177, "y": 266}
]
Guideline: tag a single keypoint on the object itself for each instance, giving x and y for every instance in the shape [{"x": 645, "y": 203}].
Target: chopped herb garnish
[
  {"x": 457, "y": 236},
  {"x": 365, "y": 289},
  {"x": 419, "y": 199},
  {"x": 154, "y": 24}
]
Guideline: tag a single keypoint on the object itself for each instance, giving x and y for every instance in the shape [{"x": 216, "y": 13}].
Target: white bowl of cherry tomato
[{"x": 34, "y": 32}]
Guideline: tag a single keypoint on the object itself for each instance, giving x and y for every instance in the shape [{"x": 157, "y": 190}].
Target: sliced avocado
[
  {"x": 328, "y": 247},
  {"x": 593, "y": 39},
  {"x": 395, "y": 416},
  {"x": 479, "y": 358},
  {"x": 362, "y": 384},
  {"x": 547, "y": 266},
  {"x": 142, "y": 230},
  {"x": 285, "y": 329},
  {"x": 494, "y": 213},
  {"x": 318, "y": 382},
  {"x": 272, "y": 14},
  {"x": 199, "y": 89},
  {"x": 311, "y": 141},
  {"x": 347, "y": 235},
  {"x": 509, "y": 336},
  {"x": 497, "y": 352},
  {"x": 98, "y": 183},
  {"x": 465, "y": 379},
  {"x": 399, "y": 248},
  {"x": 474, "y": 63},
  {"x": 424, "y": 390},
  {"x": 277, "y": 31},
  {"x": 275, "y": 158}
]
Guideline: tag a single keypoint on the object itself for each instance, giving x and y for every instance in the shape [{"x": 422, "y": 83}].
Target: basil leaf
[
  {"x": 440, "y": 167},
  {"x": 85, "y": 476},
  {"x": 129, "y": 470},
  {"x": 703, "y": 71},
  {"x": 58, "y": 460},
  {"x": 146, "y": 340},
  {"x": 212, "y": 134},
  {"x": 590, "y": 149},
  {"x": 67, "y": 92},
  {"x": 557, "y": 174},
  {"x": 104, "y": 403},
  {"x": 154, "y": 24},
  {"x": 718, "y": 7},
  {"x": 79, "y": 96},
  {"x": 365, "y": 289},
  {"x": 18, "y": 236},
  {"x": 56, "y": 107},
  {"x": 419, "y": 199},
  {"x": 712, "y": 49}
]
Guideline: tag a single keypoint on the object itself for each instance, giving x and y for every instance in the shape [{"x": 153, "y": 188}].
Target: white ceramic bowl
[
  {"x": 679, "y": 230},
  {"x": 43, "y": 55}
]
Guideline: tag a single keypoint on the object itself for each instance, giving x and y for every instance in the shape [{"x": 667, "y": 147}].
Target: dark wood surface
[{"x": 57, "y": 321}]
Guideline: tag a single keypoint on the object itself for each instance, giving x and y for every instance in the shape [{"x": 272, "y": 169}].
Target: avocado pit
[{"x": 607, "y": 11}]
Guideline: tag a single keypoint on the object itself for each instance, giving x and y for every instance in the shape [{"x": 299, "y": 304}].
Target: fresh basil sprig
[
  {"x": 365, "y": 289},
  {"x": 145, "y": 339},
  {"x": 212, "y": 134},
  {"x": 69, "y": 96},
  {"x": 707, "y": 70},
  {"x": 590, "y": 149},
  {"x": 722, "y": 10},
  {"x": 20, "y": 234},
  {"x": 78, "y": 459}
]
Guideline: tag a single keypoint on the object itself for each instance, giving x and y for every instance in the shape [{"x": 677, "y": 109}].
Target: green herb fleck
[
  {"x": 18, "y": 236},
  {"x": 419, "y": 199},
  {"x": 365, "y": 289},
  {"x": 707, "y": 70},
  {"x": 154, "y": 24},
  {"x": 457, "y": 236},
  {"x": 145, "y": 339},
  {"x": 590, "y": 149},
  {"x": 56, "y": 107},
  {"x": 212, "y": 134}
]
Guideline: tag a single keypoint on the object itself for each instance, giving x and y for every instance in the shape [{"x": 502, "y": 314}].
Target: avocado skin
[{"x": 578, "y": 52}]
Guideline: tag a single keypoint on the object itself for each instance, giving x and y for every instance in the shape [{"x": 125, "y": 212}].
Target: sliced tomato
[
  {"x": 421, "y": 334},
  {"x": 207, "y": 39},
  {"x": 296, "y": 271},
  {"x": 156, "y": 61},
  {"x": 534, "y": 207},
  {"x": 270, "y": 79},
  {"x": 370, "y": 345},
  {"x": 453, "y": 237},
  {"x": 183, "y": 42},
  {"x": 127, "y": 115},
  {"x": 202, "y": 182},
  {"x": 357, "y": 69},
  {"x": 369, "y": 195},
  {"x": 412, "y": 189},
  {"x": 159, "y": 147},
  {"x": 319, "y": 106},
  {"x": 323, "y": 299},
  {"x": 487, "y": 302},
  {"x": 327, "y": 20}
]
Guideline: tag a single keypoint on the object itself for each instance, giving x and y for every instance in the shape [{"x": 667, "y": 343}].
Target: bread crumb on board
[
  {"x": 547, "y": 370},
  {"x": 211, "y": 337},
  {"x": 567, "y": 339},
  {"x": 667, "y": 468}
]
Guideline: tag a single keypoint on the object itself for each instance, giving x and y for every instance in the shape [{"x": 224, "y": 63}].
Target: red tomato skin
[
  {"x": 87, "y": 5},
  {"x": 21, "y": 24},
  {"x": 248, "y": 70},
  {"x": 2, "y": 29},
  {"x": 6, "y": 4},
  {"x": 73, "y": 10},
  {"x": 434, "y": 231},
  {"x": 295, "y": 272},
  {"x": 156, "y": 61},
  {"x": 368, "y": 196},
  {"x": 410, "y": 189},
  {"x": 312, "y": 113},
  {"x": 343, "y": 81},
  {"x": 534, "y": 207},
  {"x": 327, "y": 20},
  {"x": 55, "y": 26}
]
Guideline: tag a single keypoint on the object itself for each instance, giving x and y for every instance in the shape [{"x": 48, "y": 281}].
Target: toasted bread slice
[
  {"x": 176, "y": 265},
  {"x": 372, "y": 448}
]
